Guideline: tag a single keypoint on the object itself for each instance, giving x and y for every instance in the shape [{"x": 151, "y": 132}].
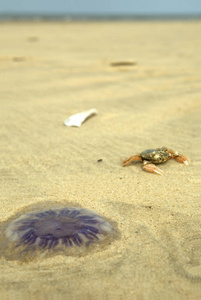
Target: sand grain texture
[{"x": 50, "y": 71}]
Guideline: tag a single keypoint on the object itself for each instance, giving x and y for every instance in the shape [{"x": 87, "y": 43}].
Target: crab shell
[{"x": 156, "y": 156}]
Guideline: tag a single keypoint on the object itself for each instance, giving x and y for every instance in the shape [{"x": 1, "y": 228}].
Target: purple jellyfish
[{"x": 67, "y": 227}]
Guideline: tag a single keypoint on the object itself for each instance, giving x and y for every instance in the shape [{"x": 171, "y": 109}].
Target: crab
[{"x": 150, "y": 157}]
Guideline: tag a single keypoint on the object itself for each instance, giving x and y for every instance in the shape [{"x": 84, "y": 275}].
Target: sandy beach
[{"x": 144, "y": 79}]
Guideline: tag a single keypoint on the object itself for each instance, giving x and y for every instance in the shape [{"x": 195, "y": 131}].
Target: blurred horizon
[
  {"x": 106, "y": 9},
  {"x": 99, "y": 17}
]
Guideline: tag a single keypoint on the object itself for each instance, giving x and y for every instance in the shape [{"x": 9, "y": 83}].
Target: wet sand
[{"x": 144, "y": 78}]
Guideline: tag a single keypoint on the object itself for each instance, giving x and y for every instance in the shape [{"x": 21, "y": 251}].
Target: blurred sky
[{"x": 91, "y": 7}]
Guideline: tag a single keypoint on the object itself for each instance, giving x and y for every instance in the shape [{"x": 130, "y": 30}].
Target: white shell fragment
[{"x": 77, "y": 119}]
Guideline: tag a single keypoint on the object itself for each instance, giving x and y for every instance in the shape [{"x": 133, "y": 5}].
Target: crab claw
[
  {"x": 182, "y": 159},
  {"x": 149, "y": 167},
  {"x": 132, "y": 158}
]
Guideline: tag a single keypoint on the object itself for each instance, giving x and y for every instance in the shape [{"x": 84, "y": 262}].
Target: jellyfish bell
[{"x": 70, "y": 230}]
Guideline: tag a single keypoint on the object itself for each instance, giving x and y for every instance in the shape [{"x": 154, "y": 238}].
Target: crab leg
[
  {"x": 149, "y": 167},
  {"x": 182, "y": 159},
  {"x": 179, "y": 157},
  {"x": 132, "y": 158}
]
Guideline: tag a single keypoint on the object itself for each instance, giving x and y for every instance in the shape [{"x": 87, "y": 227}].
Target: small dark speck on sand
[
  {"x": 99, "y": 160},
  {"x": 32, "y": 39},
  {"x": 148, "y": 206},
  {"x": 122, "y": 63},
  {"x": 19, "y": 58}
]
